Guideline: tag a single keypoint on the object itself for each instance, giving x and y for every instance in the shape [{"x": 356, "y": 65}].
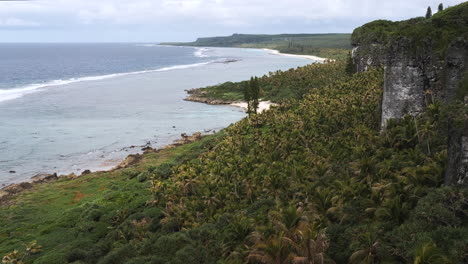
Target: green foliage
[
  {"x": 313, "y": 181},
  {"x": 436, "y": 32},
  {"x": 284, "y": 85},
  {"x": 462, "y": 90},
  {"x": 439, "y": 219},
  {"x": 428, "y": 253},
  {"x": 92, "y": 217},
  {"x": 241, "y": 40},
  {"x": 428, "y": 12},
  {"x": 440, "y": 7},
  {"x": 252, "y": 95},
  {"x": 332, "y": 46},
  {"x": 350, "y": 67}
]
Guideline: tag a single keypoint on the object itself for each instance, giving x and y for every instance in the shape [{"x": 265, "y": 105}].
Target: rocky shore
[
  {"x": 200, "y": 96},
  {"x": 9, "y": 191}
]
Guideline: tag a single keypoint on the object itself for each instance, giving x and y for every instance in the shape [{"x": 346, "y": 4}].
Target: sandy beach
[
  {"x": 262, "y": 106},
  {"x": 310, "y": 57}
]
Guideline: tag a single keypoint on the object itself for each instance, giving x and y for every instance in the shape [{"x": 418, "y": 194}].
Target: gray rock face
[
  {"x": 368, "y": 56},
  {"x": 457, "y": 164},
  {"x": 403, "y": 91},
  {"x": 413, "y": 81}
]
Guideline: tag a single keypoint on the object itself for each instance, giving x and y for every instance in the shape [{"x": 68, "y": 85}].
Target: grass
[{"x": 53, "y": 213}]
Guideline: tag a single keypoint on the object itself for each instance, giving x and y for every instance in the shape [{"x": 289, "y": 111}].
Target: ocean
[{"x": 70, "y": 107}]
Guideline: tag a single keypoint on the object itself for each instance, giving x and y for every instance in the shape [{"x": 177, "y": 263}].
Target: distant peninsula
[{"x": 333, "y": 46}]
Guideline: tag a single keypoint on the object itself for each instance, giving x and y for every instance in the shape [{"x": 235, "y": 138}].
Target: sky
[{"x": 185, "y": 20}]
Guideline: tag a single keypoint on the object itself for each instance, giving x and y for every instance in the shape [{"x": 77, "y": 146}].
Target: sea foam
[
  {"x": 201, "y": 52},
  {"x": 10, "y": 94}
]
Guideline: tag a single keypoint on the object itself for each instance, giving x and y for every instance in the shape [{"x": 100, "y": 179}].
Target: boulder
[
  {"x": 13, "y": 188},
  {"x": 44, "y": 178},
  {"x": 129, "y": 161}
]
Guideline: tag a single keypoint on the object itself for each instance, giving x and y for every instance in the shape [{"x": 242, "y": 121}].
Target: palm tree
[
  {"x": 428, "y": 253},
  {"x": 272, "y": 250},
  {"x": 311, "y": 246},
  {"x": 368, "y": 255}
]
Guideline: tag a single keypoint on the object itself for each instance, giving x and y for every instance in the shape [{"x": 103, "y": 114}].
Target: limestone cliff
[{"x": 424, "y": 60}]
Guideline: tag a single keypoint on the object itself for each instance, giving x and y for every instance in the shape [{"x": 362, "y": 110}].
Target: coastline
[
  {"x": 11, "y": 190},
  {"x": 262, "y": 105},
  {"x": 310, "y": 57},
  {"x": 198, "y": 95}
]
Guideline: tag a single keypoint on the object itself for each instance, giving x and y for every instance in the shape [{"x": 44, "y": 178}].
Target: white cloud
[
  {"x": 217, "y": 11},
  {"x": 219, "y": 16},
  {"x": 17, "y": 23}
]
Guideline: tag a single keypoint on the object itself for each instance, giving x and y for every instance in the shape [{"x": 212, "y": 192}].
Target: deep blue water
[{"x": 26, "y": 64}]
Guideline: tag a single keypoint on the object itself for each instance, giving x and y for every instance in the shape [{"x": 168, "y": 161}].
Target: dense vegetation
[
  {"x": 437, "y": 31},
  {"x": 282, "y": 85},
  {"x": 332, "y": 46},
  {"x": 310, "y": 180},
  {"x": 313, "y": 180}
]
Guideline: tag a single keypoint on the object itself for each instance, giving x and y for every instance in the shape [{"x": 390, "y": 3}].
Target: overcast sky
[{"x": 185, "y": 20}]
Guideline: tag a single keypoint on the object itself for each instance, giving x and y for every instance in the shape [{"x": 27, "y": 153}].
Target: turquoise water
[{"x": 65, "y": 123}]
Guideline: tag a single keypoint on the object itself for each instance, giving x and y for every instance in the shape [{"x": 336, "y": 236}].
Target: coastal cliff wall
[{"x": 418, "y": 72}]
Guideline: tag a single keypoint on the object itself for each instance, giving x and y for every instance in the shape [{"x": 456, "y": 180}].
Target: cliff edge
[{"x": 425, "y": 61}]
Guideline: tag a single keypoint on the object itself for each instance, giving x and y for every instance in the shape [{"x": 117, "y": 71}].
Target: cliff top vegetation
[{"x": 438, "y": 31}]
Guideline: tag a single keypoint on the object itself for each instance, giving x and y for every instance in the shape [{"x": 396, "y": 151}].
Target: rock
[
  {"x": 197, "y": 135},
  {"x": 38, "y": 178},
  {"x": 26, "y": 185},
  {"x": 13, "y": 188},
  {"x": 129, "y": 161},
  {"x": 72, "y": 176},
  {"x": 85, "y": 172},
  {"x": 44, "y": 178},
  {"x": 147, "y": 149},
  {"x": 200, "y": 96},
  {"x": 414, "y": 77}
]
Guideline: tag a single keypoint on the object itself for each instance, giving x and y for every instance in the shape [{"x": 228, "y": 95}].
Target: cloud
[
  {"x": 218, "y": 11},
  {"x": 17, "y": 23},
  {"x": 218, "y": 16}
]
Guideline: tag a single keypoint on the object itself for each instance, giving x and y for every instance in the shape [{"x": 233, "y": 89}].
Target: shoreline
[
  {"x": 310, "y": 57},
  {"x": 262, "y": 105},
  {"x": 197, "y": 95},
  {"x": 11, "y": 190},
  {"x": 271, "y": 51}
]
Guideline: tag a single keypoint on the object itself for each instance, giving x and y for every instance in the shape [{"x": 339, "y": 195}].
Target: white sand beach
[
  {"x": 310, "y": 57},
  {"x": 262, "y": 106}
]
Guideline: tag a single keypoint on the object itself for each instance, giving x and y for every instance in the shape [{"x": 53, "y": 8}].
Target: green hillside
[
  {"x": 439, "y": 30},
  {"x": 238, "y": 40},
  {"x": 310, "y": 172},
  {"x": 281, "y": 85},
  {"x": 313, "y": 180},
  {"x": 331, "y": 46}
]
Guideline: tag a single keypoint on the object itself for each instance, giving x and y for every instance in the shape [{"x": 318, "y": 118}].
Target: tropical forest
[{"x": 315, "y": 179}]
